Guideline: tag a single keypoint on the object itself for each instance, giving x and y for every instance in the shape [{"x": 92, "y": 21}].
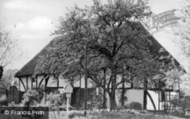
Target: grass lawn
[{"x": 107, "y": 115}]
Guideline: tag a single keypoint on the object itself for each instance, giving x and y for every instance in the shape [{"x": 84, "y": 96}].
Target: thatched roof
[{"x": 29, "y": 68}]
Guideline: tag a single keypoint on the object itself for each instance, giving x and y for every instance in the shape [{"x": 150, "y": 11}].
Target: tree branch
[
  {"x": 102, "y": 50},
  {"x": 96, "y": 81}
]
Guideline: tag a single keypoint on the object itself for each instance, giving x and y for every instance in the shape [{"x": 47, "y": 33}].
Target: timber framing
[{"x": 20, "y": 80}]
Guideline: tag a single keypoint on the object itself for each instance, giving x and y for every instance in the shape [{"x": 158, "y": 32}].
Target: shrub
[
  {"x": 3, "y": 100},
  {"x": 135, "y": 105},
  {"x": 122, "y": 114},
  {"x": 76, "y": 115},
  {"x": 30, "y": 98},
  {"x": 12, "y": 104},
  {"x": 183, "y": 102},
  {"x": 57, "y": 101}
]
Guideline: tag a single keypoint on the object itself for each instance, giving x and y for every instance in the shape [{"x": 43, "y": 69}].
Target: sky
[{"x": 32, "y": 22}]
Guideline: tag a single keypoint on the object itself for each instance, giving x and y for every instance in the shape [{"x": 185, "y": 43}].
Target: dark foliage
[{"x": 135, "y": 105}]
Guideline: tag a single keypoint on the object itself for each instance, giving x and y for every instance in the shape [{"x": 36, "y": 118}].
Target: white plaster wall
[
  {"x": 34, "y": 85},
  {"x": 154, "y": 96},
  {"x": 52, "y": 82},
  {"x": 90, "y": 83},
  {"x": 29, "y": 82},
  {"x": 76, "y": 83},
  {"x": 62, "y": 81},
  {"x": 134, "y": 95},
  {"x": 39, "y": 78},
  {"x": 21, "y": 85}
]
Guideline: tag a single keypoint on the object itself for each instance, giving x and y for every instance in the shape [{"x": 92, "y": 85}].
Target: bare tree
[
  {"x": 8, "y": 78},
  {"x": 7, "y": 49},
  {"x": 183, "y": 29}
]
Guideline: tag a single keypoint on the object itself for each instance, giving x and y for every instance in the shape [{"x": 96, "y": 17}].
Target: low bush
[
  {"x": 122, "y": 114},
  {"x": 183, "y": 103},
  {"x": 56, "y": 101},
  {"x": 135, "y": 105},
  {"x": 30, "y": 98},
  {"x": 3, "y": 100},
  {"x": 76, "y": 115},
  {"x": 179, "y": 107}
]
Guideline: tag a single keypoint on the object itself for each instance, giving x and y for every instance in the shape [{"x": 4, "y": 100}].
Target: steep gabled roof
[{"x": 29, "y": 68}]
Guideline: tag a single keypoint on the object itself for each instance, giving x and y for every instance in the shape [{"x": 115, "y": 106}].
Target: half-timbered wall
[
  {"x": 130, "y": 94},
  {"x": 40, "y": 82},
  {"x": 134, "y": 95},
  {"x": 155, "y": 97},
  {"x": 23, "y": 84}
]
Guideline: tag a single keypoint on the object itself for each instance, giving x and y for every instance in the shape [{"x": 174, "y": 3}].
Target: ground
[{"x": 107, "y": 115}]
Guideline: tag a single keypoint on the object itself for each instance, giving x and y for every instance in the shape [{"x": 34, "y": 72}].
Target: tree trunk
[
  {"x": 113, "y": 104},
  {"x": 1, "y": 71},
  {"x": 145, "y": 99},
  {"x": 104, "y": 93},
  {"x": 123, "y": 94},
  {"x": 145, "y": 93}
]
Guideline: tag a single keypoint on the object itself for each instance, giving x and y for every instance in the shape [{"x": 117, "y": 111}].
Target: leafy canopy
[{"x": 115, "y": 39}]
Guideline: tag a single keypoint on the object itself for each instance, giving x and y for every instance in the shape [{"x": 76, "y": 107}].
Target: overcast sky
[{"x": 33, "y": 21}]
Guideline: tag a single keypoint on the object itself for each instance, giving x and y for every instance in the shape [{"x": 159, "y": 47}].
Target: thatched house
[{"x": 156, "y": 99}]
